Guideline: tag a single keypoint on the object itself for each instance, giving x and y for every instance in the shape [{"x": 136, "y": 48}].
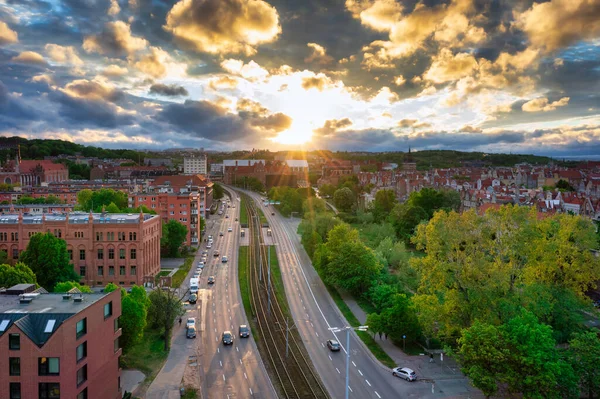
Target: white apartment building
[{"x": 195, "y": 165}]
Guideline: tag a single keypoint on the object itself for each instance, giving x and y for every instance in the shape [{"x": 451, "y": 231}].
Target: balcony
[
  {"x": 193, "y": 226},
  {"x": 194, "y": 211},
  {"x": 194, "y": 240}
]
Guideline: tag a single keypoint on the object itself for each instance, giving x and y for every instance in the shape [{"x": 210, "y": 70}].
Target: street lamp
[{"x": 348, "y": 328}]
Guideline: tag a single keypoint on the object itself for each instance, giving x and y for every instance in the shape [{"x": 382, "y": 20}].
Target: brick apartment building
[
  {"x": 32, "y": 172},
  {"x": 293, "y": 173},
  {"x": 105, "y": 248},
  {"x": 183, "y": 198},
  {"x": 59, "y": 346}
]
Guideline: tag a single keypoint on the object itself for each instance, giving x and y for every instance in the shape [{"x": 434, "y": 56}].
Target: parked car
[
  {"x": 193, "y": 298},
  {"x": 209, "y": 245},
  {"x": 204, "y": 252},
  {"x": 224, "y": 259},
  {"x": 191, "y": 332},
  {"x": 333, "y": 345},
  {"x": 272, "y": 213},
  {"x": 244, "y": 331},
  {"x": 229, "y": 229},
  {"x": 227, "y": 338},
  {"x": 196, "y": 274},
  {"x": 201, "y": 265},
  {"x": 216, "y": 254},
  {"x": 211, "y": 280},
  {"x": 404, "y": 372},
  {"x": 210, "y": 237},
  {"x": 221, "y": 234},
  {"x": 191, "y": 322}
]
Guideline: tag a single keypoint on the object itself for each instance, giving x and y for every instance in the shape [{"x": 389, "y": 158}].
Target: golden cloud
[
  {"x": 43, "y": 78},
  {"x": 274, "y": 123},
  {"x": 333, "y": 125},
  {"x": 223, "y": 26},
  {"x": 379, "y": 15},
  {"x": 7, "y": 35},
  {"x": 399, "y": 80},
  {"x": 223, "y": 82},
  {"x": 115, "y": 39},
  {"x": 448, "y": 67},
  {"x": 114, "y": 8},
  {"x": 29, "y": 57},
  {"x": 319, "y": 82},
  {"x": 91, "y": 90},
  {"x": 542, "y": 104},
  {"x": 153, "y": 64},
  {"x": 114, "y": 71},
  {"x": 63, "y": 54},
  {"x": 318, "y": 55},
  {"x": 250, "y": 71},
  {"x": 245, "y": 104},
  {"x": 558, "y": 23},
  {"x": 470, "y": 129}
]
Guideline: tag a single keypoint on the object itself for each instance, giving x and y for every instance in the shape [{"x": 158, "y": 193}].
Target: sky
[{"x": 518, "y": 76}]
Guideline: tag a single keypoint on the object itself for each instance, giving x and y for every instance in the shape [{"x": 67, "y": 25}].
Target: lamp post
[{"x": 348, "y": 328}]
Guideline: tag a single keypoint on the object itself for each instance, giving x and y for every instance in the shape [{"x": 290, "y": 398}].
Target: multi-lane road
[
  {"x": 315, "y": 314},
  {"x": 233, "y": 371}
]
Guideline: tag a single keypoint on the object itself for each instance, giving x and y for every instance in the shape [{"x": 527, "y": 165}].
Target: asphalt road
[
  {"x": 315, "y": 313},
  {"x": 233, "y": 371}
]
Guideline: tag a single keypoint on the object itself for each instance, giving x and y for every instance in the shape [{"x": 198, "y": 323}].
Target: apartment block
[{"x": 195, "y": 165}]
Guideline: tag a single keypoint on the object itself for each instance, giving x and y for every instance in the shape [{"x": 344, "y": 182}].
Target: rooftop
[{"x": 75, "y": 218}]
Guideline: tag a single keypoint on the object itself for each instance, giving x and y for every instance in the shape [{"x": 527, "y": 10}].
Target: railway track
[{"x": 294, "y": 374}]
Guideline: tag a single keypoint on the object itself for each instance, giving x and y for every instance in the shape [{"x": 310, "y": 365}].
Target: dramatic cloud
[
  {"x": 380, "y": 15},
  {"x": 447, "y": 67},
  {"x": 413, "y": 124},
  {"x": 114, "y": 71},
  {"x": 558, "y": 23},
  {"x": 7, "y": 35},
  {"x": 115, "y": 40},
  {"x": 63, "y": 54},
  {"x": 153, "y": 64},
  {"x": 333, "y": 125},
  {"x": 319, "y": 82},
  {"x": 29, "y": 57},
  {"x": 223, "y": 82},
  {"x": 114, "y": 8},
  {"x": 223, "y": 26},
  {"x": 542, "y": 104},
  {"x": 272, "y": 123},
  {"x": 250, "y": 71},
  {"x": 168, "y": 90},
  {"x": 318, "y": 55}
]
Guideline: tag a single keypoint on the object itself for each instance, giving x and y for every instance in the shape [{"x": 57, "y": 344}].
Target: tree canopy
[
  {"x": 66, "y": 286},
  {"x": 17, "y": 274},
  {"x": 48, "y": 258},
  {"x": 218, "y": 191},
  {"x": 344, "y": 199},
  {"x": 174, "y": 235},
  {"x": 385, "y": 200},
  {"x": 164, "y": 307},
  {"x": 97, "y": 199}
]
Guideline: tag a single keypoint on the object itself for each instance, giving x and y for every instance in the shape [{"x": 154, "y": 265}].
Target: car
[
  {"x": 224, "y": 259},
  {"x": 226, "y": 216},
  {"x": 236, "y": 219},
  {"x": 216, "y": 254},
  {"x": 227, "y": 338},
  {"x": 204, "y": 252},
  {"x": 191, "y": 332},
  {"x": 272, "y": 213},
  {"x": 229, "y": 230},
  {"x": 196, "y": 275},
  {"x": 209, "y": 245},
  {"x": 333, "y": 345},
  {"x": 404, "y": 372},
  {"x": 210, "y": 237},
  {"x": 199, "y": 271},
  {"x": 191, "y": 322},
  {"x": 211, "y": 280},
  {"x": 201, "y": 265},
  {"x": 228, "y": 206},
  {"x": 244, "y": 331},
  {"x": 220, "y": 234},
  {"x": 234, "y": 205},
  {"x": 193, "y": 298}
]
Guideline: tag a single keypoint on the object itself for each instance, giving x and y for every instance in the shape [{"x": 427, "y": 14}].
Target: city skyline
[{"x": 380, "y": 75}]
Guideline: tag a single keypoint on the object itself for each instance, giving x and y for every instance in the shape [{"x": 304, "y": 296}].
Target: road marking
[
  {"x": 223, "y": 377},
  {"x": 338, "y": 370},
  {"x": 221, "y": 363},
  {"x": 218, "y": 350},
  {"x": 241, "y": 361},
  {"x": 322, "y": 344},
  {"x": 317, "y": 333},
  {"x": 217, "y": 339},
  {"x": 237, "y": 348},
  {"x": 354, "y": 363},
  {"x": 377, "y": 395},
  {"x": 330, "y": 358},
  {"x": 368, "y": 383},
  {"x": 360, "y": 372},
  {"x": 251, "y": 392},
  {"x": 350, "y": 388}
]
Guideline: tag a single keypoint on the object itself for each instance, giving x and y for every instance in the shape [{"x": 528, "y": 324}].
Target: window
[
  {"x": 48, "y": 366},
  {"x": 100, "y": 253},
  {"x": 132, "y": 236},
  {"x": 132, "y": 253},
  {"x": 108, "y": 309},
  {"x": 14, "y": 341},
  {"x": 81, "y": 327},
  {"x": 121, "y": 270},
  {"x": 116, "y": 323},
  {"x": 110, "y": 236},
  {"x": 100, "y": 270},
  {"x": 82, "y": 375},
  {"x": 121, "y": 253},
  {"x": 98, "y": 236},
  {"x": 116, "y": 344},
  {"x": 133, "y": 270},
  {"x": 15, "y": 365},
  {"x": 82, "y": 254},
  {"x": 82, "y": 394},
  {"x": 172, "y": 212},
  {"x": 81, "y": 351},
  {"x": 15, "y": 254},
  {"x": 70, "y": 251},
  {"x": 15, "y": 390},
  {"x": 111, "y": 270},
  {"x": 49, "y": 390},
  {"x": 111, "y": 253},
  {"x": 82, "y": 271}
]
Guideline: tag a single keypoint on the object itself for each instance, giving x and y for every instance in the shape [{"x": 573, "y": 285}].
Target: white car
[
  {"x": 229, "y": 229},
  {"x": 209, "y": 245},
  {"x": 191, "y": 322},
  {"x": 196, "y": 275}
]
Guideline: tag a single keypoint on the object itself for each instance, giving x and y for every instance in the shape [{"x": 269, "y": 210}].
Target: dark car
[
  {"x": 191, "y": 332},
  {"x": 244, "y": 331},
  {"x": 227, "y": 338},
  {"x": 216, "y": 254},
  {"x": 333, "y": 345},
  {"x": 272, "y": 213},
  {"x": 211, "y": 280},
  {"x": 193, "y": 298},
  {"x": 221, "y": 234}
]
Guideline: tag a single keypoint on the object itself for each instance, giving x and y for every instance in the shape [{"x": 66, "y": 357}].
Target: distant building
[
  {"x": 60, "y": 346},
  {"x": 195, "y": 165},
  {"x": 107, "y": 248},
  {"x": 32, "y": 172},
  {"x": 168, "y": 162}
]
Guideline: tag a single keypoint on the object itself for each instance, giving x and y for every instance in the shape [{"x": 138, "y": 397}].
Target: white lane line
[
  {"x": 338, "y": 370},
  {"x": 218, "y": 350},
  {"x": 217, "y": 339},
  {"x": 251, "y": 393},
  {"x": 221, "y": 363},
  {"x": 241, "y": 361},
  {"x": 368, "y": 383},
  {"x": 237, "y": 348},
  {"x": 330, "y": 358},
  {"x": 317, "y": 333},
  {"x": 377, "y": 395},
  {"x": 360, "y": 372},
  {"x": 350, "y": 388},
  {"x": 223, "y": 377},
  {"x": 354, "y": 363},
  {"x": 245, "y": 376},
  {"x": 322, "y": 344}
]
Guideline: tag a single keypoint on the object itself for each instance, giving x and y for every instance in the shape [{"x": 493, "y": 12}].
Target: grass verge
[
  {"x": 190, "y": 393},
  {"x": 263, "y": 219},
  {"x": 181, "y": 274},
  {"x": 277, "y": 282},
  {"x": 148, "y": 355},
  {"x": 244, "y": 282},
  {"x": 243, "y": 212},
  {"x": 163, "y": 273}
]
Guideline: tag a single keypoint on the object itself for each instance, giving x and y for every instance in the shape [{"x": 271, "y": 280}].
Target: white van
[{"x": 194, "y": 285}]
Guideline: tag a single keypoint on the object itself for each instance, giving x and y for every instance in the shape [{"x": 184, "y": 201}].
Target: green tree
[
  {"x": 66, "y": 286},
  {"x": 217, "y": 191},
  {"x": 17, "y": 274},
  {"x": 48, "y": 258},
  {"x": 399, "y": 318},
  {"x": 353, "y": 266},
  {"x": 84, "y": 198},
  {"x": 312, "y": 206},
  {"x": 385, "y": 200},
  {"x": 52, "y": 199},
  {"x": 112, "y": 208},
  {"x": 101, "y": 198},
  {"x": 133, "y": 316},
  {"x": 584, "y": 351},
  {"x": 344, "y": 199},
  {"x": 375, "y": 324},
  {"x": 564, "y": 185},
  {"x": 311, "y": 241},
  {"x": 110, "y": 287},
  {"x": 164, "y": 307},
  {"x": 173, "y": 237},
  {"x": 327, "y": 190},
  {"x": 3, "y": 257}
]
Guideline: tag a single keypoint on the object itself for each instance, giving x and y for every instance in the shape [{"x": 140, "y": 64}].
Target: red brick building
[
  {"x": 56, "y": 346},
  {"x": 105, "y": 248},
  {"x": 185, "y": 199},
  {"x": 32, "y": 172}
]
